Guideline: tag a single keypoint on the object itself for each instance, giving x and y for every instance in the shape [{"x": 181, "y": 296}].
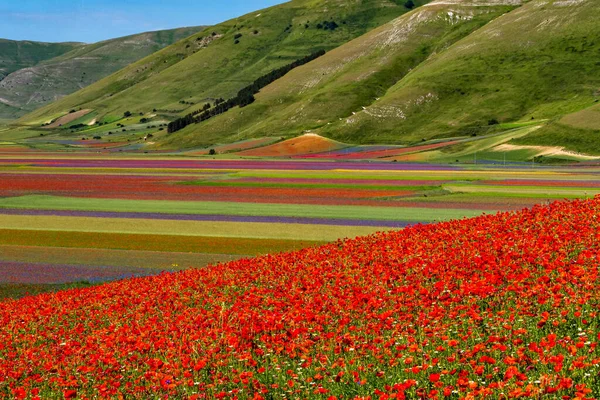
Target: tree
[
  {"x": 410, "y": 4},
  {"x": 127, "y": 114},
  {"x": 212, "y": 152}
]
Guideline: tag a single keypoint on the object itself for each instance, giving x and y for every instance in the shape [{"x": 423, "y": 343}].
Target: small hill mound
[
  {"x": 309, "y": 143},
  {"x": 65, "y": 119}
]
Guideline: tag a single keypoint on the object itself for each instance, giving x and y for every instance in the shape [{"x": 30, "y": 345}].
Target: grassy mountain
[
  {"x": 539, "y": 61},
  {"x": 221, "y": 60},
  {"x": 15, "y": 55},
  {"x": 351, "y": 79},
  {"x": 494, "y": 72},
  {"x": 440, "y": 71},
  {"x": 449, "y": 68},
  {"x": 35, "y": 85}
]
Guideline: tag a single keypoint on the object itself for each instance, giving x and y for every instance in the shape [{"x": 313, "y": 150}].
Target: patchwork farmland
[{"x": 80, "y": 219}]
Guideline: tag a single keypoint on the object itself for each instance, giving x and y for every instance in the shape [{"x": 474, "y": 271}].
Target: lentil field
[{"x": 82, "y": 218}]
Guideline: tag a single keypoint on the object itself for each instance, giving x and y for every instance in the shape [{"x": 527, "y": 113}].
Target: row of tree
[{"x": 244, "y": 97}]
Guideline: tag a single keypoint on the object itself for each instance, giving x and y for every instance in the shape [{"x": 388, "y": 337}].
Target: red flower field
[
  {"x": 142, "y": 187},
  {"x": 502, "y": 306}
]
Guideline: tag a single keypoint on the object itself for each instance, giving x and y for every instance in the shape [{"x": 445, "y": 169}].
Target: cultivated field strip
[{"x": 84, "y": 217}]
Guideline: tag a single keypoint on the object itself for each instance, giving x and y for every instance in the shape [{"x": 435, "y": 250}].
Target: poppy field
[
  {"x": 108, "y": 217},
  {"x": 498, "y": 306}
]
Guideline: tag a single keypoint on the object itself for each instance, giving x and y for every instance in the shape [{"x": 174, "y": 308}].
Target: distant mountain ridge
[
  {"x": 17, "y": 54},
  {"x": 46, "y": 72}
]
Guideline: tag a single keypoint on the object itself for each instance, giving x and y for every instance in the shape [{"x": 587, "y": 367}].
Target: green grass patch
[
  {"x": 306, "y": 185},
  {"x": 235, "y": 208},
  {"x": 584, "y": 141},
  {"x": 534, "y": 192},
  {"x": 150, "y": 242}
]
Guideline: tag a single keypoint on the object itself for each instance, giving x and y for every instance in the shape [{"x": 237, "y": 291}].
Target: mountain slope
[
  {"x": 221, "y": 60},
  {"x": 35, "y": 85},
  {"x": 348, "y": 79},
  {"x": 539, "y": 61},
  {"x": 15, "y": 55},
  {"x": 447, "y": 74}
]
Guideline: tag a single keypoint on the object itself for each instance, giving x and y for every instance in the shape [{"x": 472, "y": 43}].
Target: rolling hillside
[
  {"x": 47, "y": 72},
  {"x": 15, "y": 55},
  {"x": 440, "y": 71},
  {"x": 350, "y": 79},
  {"x": 537, "y": 62},
  {"x": 220, "y": 60}
]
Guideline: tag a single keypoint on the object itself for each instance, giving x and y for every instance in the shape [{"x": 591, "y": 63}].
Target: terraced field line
[
  {"x": 114, "y": 258},
  {"x": 255, "y": 230},
  {"x": 234, "y": 208},
  {"x": 531, "y": 191},
  {"x": 153, "y": 243},
  {"x": 410, "y": 175}
]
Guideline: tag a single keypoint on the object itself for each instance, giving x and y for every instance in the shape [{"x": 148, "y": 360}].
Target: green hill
[
  {"x": 220, "y": 60},
  {"x": 15, "y": 55},
  {"x": 29, "y": 86},
  {"x": 331, "y": 92},
  {"x": 440, "y": 71},
  {"x": 539, "y": 61}
]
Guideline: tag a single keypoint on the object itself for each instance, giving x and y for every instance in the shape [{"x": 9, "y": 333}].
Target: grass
[
  {"x": 252, "y": 230},
  {"x": 153, "y": 260},
  {"x": 561, "y": 135},
  {"x": 312, "y": 185},
  {"x": 537, "y": 192}
]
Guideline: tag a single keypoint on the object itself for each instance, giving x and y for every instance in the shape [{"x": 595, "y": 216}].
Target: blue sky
[{"x": 94, "y": 20}]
